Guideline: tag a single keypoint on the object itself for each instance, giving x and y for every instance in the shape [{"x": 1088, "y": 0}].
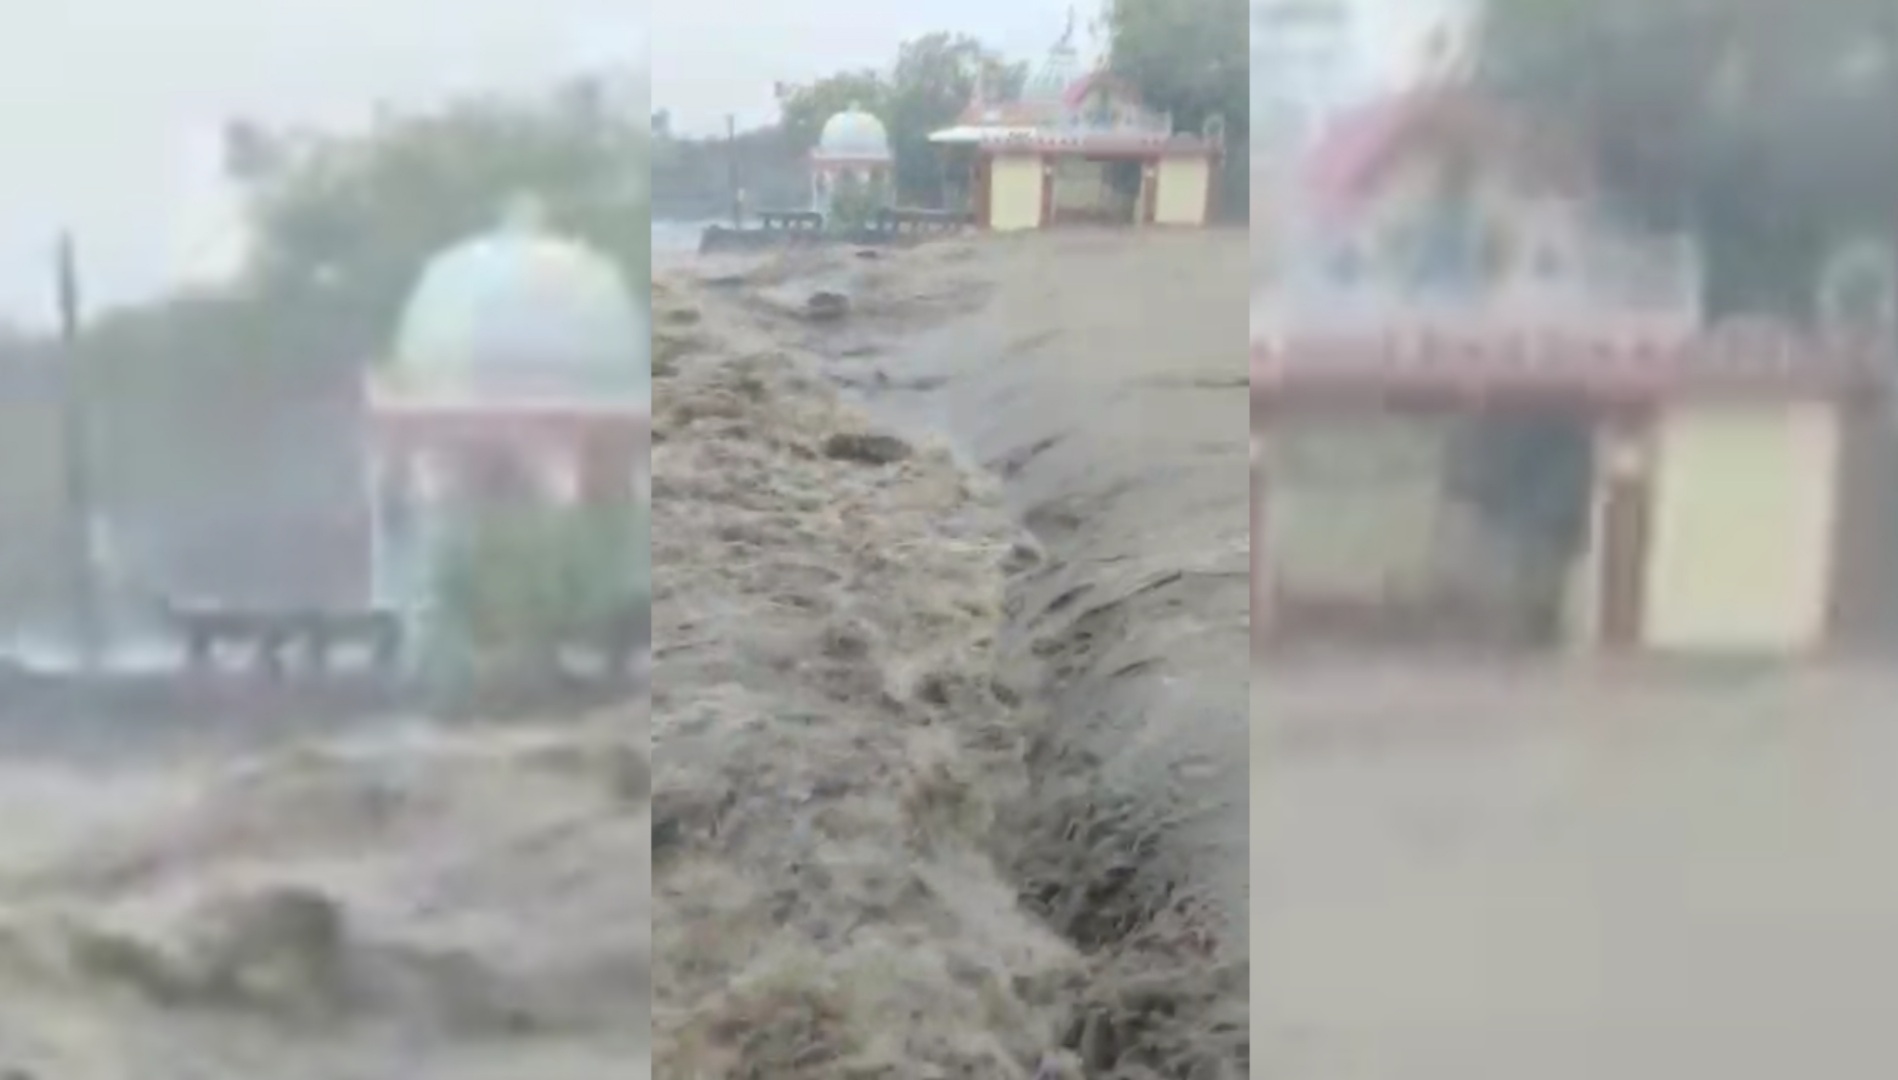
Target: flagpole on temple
[{"x": 76, "y": 446}]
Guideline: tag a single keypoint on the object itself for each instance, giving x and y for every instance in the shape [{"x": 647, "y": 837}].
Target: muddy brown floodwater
[
  {"x": 408, "y": 902},
  {"x": 951, "y": 726},
  {"x": 1576, "y": 873}
]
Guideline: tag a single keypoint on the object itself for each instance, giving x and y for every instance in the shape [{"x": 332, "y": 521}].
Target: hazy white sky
[
  {"x": 711, "y": 59},
  {"x": 113, "y": 108}
]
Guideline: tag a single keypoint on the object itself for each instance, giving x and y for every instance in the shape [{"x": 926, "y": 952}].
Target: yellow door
[
  {"x": 1743, "y": 523},
  {"x": 1015, "y": 193},
  {"x": 1181, "y": 198}
]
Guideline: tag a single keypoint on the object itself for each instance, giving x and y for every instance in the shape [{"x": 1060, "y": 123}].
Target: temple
[
  {"x": 1079, "y": 147},
  {"x": 1487, "y": 409}
]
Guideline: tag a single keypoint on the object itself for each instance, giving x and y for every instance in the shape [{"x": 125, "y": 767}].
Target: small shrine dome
[
  {"x": 523, "y": 313},
  {"x": 854, "y": 134}
]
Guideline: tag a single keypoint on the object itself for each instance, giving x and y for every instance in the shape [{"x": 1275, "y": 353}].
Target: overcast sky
[
  {"x": 716, "y": 58},
  {"x": 113, "y": 108},
  {"x": 111, "y": 117},
  {"x": 722, "y": 57}
]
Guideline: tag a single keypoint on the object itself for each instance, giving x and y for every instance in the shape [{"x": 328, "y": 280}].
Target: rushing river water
[
  {"x": 1107, "y": 431},
  {"x": 676, "y": 237}
]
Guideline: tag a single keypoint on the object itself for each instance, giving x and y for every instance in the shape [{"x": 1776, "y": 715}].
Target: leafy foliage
[
  {"x": 853, "y": 204},
  {"x": 519, "y": 583},
  {"x": 345, "y": 222},
  {"x": 1188, "y": 57},
  {"x": 1191, "y": 58},
  {"x": 1764, "y": 125}
]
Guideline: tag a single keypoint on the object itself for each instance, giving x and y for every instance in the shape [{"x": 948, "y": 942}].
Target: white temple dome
[
  {"x": 523, "y": 312},
  {"x": 854, "y": 133}
]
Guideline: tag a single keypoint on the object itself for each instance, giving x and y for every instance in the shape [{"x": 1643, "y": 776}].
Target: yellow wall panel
[
  {"x": 1015, "y": 194},
  {"x": 1745, "y": 502}
]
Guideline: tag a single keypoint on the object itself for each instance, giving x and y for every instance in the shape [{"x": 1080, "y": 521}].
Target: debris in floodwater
[
  {"x": 826, "y": 305},
  {"x": 277, "y": 915},
  {"x": 826, "y": 901},
  {"x": 866, "y": 448},
  {"x": 831, "y": 884}
]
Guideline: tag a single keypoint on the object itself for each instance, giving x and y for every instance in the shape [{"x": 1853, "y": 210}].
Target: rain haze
[
  {"x": 114, "y": 113},
  {"x": 719, "y": 60}
]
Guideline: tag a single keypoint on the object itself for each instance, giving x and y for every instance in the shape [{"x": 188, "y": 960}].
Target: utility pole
[
  {"x": 731, "y": 161},
  {"x": 76, "y": 446}
]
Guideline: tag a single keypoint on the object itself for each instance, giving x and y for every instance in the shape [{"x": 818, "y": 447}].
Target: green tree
[
  {"x": 1191, "y": 58},
  {"x": 517, "y": 586},
  {"x": 1763, "y": 127},
  {"x": 853, "y": 203},
  {"x": 1188, "y": 57},
  {"x": 932, "y": 82},
  {"x": 345, "y": 222}
]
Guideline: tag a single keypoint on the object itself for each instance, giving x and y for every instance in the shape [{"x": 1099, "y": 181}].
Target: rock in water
[{"x": 866, "y": 448}]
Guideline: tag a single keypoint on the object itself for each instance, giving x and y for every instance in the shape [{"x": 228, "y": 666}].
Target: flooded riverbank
[
  {"x": 830, "y": 744},
  {"x": 406, "y": 900},
  {"x": 1099, "y": 383},
  {"x": 1574, "y": 872},
  {"x": 1092, "y": 710}
]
